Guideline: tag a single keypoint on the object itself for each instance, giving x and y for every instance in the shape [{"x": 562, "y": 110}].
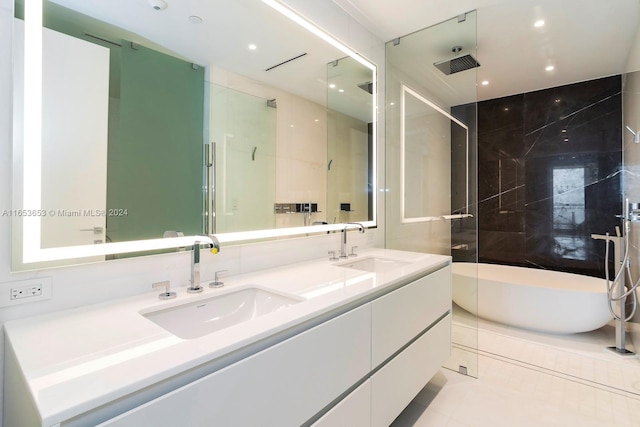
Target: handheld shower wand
[{"x": 617, "y": 291}]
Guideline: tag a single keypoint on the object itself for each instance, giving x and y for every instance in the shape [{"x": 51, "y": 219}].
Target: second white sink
[
  {"x": 374, "y": 264},
  {"x": 198, "y": 318}
]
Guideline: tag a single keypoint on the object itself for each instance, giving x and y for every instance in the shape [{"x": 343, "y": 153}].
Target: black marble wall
[
  {"x": 464, "y": 184},
  {"x": 548, "y": 165}
]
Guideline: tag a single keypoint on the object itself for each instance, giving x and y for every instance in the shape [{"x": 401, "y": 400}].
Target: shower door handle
[{"x": 95, "y": 230}]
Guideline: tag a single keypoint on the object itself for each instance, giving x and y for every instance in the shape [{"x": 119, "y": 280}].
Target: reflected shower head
[
  {"x": 457, "y": 64},
  {"x": 367, "y": 87}
]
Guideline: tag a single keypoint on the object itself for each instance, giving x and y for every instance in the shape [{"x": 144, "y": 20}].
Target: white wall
[{"x": 92, "y": 283}]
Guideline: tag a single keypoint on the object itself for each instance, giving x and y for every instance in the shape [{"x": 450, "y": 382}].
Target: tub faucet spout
[{"x": 618, "y": 243}]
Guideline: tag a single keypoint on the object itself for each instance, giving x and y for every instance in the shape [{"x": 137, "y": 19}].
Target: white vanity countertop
[{"x": 76, "y": 360}]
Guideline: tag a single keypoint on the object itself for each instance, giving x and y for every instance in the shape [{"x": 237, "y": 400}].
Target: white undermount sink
[
  {"x": 202, "y": 317},
  {"x": 374, "y": 264}
]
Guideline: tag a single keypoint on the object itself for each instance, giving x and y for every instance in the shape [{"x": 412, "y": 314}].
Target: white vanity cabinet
[
  {"x": 400, "y": 380},
  {"x": 356, "y": 362},
  {"x": 410, "y": 340},
  {"x": 400, "y": 316},
  {"x": 418, "y": 317},
  {"x": 354, "y": 410},
  {"x": 388, "y": 349},
  {"x": 281, "y": 386}
]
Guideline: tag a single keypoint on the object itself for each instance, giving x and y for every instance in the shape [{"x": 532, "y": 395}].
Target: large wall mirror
[{"x": 138, "y": 125}]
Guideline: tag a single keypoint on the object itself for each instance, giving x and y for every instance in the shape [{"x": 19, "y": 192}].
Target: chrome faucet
[
  {"x": 212, "y": 241},
  {"x": 343, "y": 241}
]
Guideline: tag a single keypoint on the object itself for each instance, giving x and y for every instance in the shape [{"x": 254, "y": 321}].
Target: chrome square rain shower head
[{"x": 458, "y": 63}]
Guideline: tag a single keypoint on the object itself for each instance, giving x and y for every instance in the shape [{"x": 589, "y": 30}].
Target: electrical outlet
[{"x": 25, "y": 291}]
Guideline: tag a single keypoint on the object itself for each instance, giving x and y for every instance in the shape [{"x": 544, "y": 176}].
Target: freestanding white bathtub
[{"x": 541, "y": 300}]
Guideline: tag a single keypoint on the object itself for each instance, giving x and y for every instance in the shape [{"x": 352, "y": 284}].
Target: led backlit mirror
[{"x": 113, "y": 166}]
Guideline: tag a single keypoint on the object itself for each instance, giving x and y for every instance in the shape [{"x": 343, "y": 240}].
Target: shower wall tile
[
  {"x": 567, "y": 138},
  {"x": 508, "y": 247},
  {"x": 500, "y": 167}
]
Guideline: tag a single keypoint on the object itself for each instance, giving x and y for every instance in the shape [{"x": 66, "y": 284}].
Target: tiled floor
[
  {"x": 578, "y": 357},
  {"x": 514, "y": 396},
  {"x": 529, "y": 379}
]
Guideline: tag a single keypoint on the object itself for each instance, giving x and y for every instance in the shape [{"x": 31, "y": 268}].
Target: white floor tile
[
  {"x": 418, "y": 415},
  {"x": 529, "y": 379},
  {"x": 464, "y": 401},
  {"x": 581, "y": 356}
]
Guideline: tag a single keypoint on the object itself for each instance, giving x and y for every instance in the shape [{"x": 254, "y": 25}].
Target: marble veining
[
  {"x": 573, "y": 113},
  {"x": 502, "y": 193}
]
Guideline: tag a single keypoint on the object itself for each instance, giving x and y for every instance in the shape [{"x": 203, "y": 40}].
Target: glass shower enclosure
[{"x": 431, "y": 157}]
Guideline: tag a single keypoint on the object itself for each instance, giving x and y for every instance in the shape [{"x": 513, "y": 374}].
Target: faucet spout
[
  {"x": 343, "y": 240},
  {"x": 214, "y": 244}
]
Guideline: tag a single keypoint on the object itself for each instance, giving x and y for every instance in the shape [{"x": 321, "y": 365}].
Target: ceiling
[
  {"x": 582, "y": 39},
  {"x": 222, "y": 38}
]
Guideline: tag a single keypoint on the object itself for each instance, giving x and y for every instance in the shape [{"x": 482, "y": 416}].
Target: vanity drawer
[
  {"x": 400, "y": 380},
  {"x": 400, "y": 316},
  {"x": 354, "y": 410},
  {"x": 283, "y": 385}
]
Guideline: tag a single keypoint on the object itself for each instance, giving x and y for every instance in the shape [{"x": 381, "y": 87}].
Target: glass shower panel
[
  {"x": 425, "y": 159},
  {"x": 631, "y": 168},
  {"x": 243, "y": 131},
  {"x": 427, "y": 137},
  {"x": 431, "y": 158}
]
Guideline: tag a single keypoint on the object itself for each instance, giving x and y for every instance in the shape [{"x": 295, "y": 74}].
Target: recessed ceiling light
[
  {"x": 158, "y": 4},
  {"x": 549, "y": 68},
  {"x": 564, "y": 131},
  {"x": 195, "y": 19},
  {"x": 332, "y": 86},
  {"x": 340, "y": 90},
  {"x": 485, "y": 82},
  {"x": 316, "y": 120},
  {"x": 506, "y": 108},
  {"x": 392, "y": 104},
  {"x": 539, "y": 23},
  {"x": 252, "y": 46}
]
